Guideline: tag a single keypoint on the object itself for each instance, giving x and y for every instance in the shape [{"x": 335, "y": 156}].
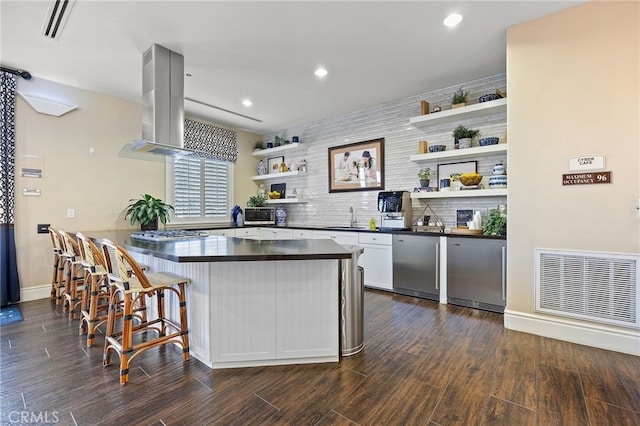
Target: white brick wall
[{"x": 390, "y": 121}]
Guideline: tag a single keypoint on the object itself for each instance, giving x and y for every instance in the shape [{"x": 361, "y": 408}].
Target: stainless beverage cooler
[{"x": 351, "y": 303}]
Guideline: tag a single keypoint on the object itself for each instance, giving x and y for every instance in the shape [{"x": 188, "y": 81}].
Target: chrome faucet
[{"x": 354, "y": 221}]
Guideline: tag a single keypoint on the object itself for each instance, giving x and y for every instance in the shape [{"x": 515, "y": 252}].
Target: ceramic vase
[{"x": 281, "y": 216}]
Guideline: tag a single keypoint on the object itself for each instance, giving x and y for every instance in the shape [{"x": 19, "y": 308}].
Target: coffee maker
[{"x": 395, "y": 209}]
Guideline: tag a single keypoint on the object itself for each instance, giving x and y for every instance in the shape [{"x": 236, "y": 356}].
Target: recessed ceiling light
[
  {"x": 321, "y": 72},
  {"x": 452, "y": 20},
  {"x": 247, "y": 103}
]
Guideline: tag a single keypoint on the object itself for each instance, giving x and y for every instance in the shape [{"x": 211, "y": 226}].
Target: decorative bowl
[
  {"x": 437, "y": 148},
  {"x": 489, "y": 97},
  {"x": 488, "y": 141},
  {"x": 274, "y": 196},
  {"x": 470, "y": 179}
]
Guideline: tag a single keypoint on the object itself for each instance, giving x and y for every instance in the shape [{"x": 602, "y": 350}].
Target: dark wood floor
[{"x": 423, "y": 363}]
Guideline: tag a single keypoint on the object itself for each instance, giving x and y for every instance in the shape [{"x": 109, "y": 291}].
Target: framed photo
[
  {"x": 446, "y": 170},
  {"x": 273, "y": 164},
  {"x": 357, "y": 167}
]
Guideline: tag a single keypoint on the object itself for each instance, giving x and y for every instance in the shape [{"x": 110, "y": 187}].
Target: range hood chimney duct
[{"x": 163, "y": 114}]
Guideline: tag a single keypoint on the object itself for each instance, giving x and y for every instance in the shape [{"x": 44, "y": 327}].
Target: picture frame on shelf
[
  {"x": 273, "y": 164},
  {"x": 446, "y": 170},
  {"x": 357, "y": 166}
]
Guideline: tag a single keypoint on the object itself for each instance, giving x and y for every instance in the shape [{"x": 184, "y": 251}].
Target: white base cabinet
[{"x": 377, "y": 260}]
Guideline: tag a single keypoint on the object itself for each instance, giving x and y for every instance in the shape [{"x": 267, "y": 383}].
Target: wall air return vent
[
  {"x": 599, "y": 287},
  {"x": 56, "y": 17}
]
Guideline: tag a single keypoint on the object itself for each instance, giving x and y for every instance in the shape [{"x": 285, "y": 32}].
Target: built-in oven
[{"x": 259, "y": 216}]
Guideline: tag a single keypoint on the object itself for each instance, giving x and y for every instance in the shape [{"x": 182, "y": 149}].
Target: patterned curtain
[
  {"x": 218, "y": 142},
  {"x": 9, "y": 284}
]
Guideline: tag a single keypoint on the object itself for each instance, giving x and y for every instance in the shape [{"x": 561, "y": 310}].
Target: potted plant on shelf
[
  {"x": 423, "y": 175},
  {"x": 463, "y": 136},
  {"x": 257, "y": 201},
  {"x": 459, "y": 98},
  {"x": 148, "y": 210},
  {"x": 258, "y": 145}
]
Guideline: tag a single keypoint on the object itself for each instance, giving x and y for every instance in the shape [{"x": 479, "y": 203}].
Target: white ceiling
[{"x": 267, "y": 51}]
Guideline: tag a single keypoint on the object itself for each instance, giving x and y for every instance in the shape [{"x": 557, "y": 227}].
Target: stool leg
[
  {"x": 93, "y": 309},
  {"x": 184, "y": 327},
  {"x": 127, "y": 338},
  {"x": 54, "y": 278},
  {"x": 111, "y": 320},
  {"x": 61, "y": 285},
  {"x": 85, "y": 297},
  {"x": 160, "y": 301}
]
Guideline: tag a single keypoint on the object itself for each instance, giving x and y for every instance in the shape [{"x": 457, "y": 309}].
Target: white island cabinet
[{"x": 252, "y": 302}]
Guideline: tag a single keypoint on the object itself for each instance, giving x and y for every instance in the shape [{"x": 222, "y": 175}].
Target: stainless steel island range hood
[{"x": 163, "y": 114}]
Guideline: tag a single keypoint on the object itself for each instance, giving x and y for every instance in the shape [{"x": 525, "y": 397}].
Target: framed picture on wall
[
  {"x": 273, "y": 164},
  {"x": 357, "y": 166}
]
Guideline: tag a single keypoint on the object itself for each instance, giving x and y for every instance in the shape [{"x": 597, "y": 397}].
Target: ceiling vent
[{"x": 56, "y": 17}]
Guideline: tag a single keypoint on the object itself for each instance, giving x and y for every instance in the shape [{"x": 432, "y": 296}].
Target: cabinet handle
[
  {"x": 504, "y": 273},
  {"x": 437, "y": 266}
]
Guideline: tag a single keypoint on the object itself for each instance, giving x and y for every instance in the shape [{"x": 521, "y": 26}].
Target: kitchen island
[{"x": 251, "y": 302}]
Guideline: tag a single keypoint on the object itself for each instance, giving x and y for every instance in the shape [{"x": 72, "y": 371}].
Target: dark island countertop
[{"x": 227, "y": 249}]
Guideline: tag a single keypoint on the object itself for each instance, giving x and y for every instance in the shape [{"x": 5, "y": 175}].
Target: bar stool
[
  {"x": 129, "y": 289},
  {"x": 57, "y": 286},
  {"x": 97, "y": 290},
  {"x": 74, "y": 274}
]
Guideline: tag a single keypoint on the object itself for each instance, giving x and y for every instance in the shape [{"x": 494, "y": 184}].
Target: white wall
[
  {"x": 573, "y": 81},
  {"x": 97, "y": 187}
]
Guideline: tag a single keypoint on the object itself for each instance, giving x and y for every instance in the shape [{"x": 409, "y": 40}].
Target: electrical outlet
[
  {"x": 43, "y": 228},
  {"x": 71, "y": 212}
]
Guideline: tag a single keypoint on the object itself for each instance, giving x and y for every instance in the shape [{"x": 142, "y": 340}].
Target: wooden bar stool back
[
  {"x": 74, "y": 274},
  {"x": 57, "y": 286},
  {"x": 131, "y": 341},
  {"x": 97, "y": 290}
]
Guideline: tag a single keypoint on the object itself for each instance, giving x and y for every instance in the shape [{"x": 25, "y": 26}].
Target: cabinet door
[
  {"x": 275, "y": 234},
  {"x": 344, "y": 238},
  {"x": 227, "y": 232},
  {"x": 302, "y": 234},
  {"x": 250, "y": 233},
  {"x": 475, "y": 272},
  {"x": 376, "y": 260}
]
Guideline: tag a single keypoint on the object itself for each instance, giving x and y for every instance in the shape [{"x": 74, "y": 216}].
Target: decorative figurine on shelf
[
  {"x": 262, "y": 168},
  {"x": 281, "y": 216},
  {"x": 283, "y": 167}
]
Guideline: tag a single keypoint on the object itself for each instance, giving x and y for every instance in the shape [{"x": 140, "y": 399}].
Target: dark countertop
[
  {"x": 385, "y": 231},
  {"x": 227, "y": 249}
]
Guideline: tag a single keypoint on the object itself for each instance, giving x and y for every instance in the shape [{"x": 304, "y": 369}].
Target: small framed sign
[
  {"x": 586, "y": 178},
  {"x": 587, "y": 162}
]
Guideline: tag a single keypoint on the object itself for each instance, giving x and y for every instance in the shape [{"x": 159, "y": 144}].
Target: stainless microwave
[{"x": 260, "y": 216}]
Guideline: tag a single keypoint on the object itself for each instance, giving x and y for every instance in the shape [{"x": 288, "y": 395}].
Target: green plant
[
  {"x": 496, "y": 223},
  {"x": 278, "y": 141},
  {"x": 258, "y": 145},
  {"x": 459, "y": 96},
  {"x": 423, "y": 174},
  {"x": 147, "y": 210},
  {"x": 257, "y": 201},
  {"x": 462, "y": 132}
]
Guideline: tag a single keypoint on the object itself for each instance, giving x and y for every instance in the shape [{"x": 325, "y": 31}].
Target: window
[{"x": 201, "y": 189}]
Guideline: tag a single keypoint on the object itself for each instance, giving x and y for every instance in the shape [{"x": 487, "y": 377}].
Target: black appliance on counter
[{"x": 395, "y": 209}]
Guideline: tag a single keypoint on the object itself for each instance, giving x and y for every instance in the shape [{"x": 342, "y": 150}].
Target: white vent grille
[{"x": 600, "y": 287}]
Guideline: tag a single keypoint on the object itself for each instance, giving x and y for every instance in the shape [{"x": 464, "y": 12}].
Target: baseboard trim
[
  {"x": 620, "y": 340},
  {"x": 28, "y": 294}
]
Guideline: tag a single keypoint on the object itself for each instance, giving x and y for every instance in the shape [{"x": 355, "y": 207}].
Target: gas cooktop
[{"x": 168, "y": 235}]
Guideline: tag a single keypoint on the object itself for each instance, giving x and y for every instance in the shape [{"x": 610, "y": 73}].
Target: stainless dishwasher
[
  {"x": 416, "y": 265},
  {"x": 476, "y": 273}
]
